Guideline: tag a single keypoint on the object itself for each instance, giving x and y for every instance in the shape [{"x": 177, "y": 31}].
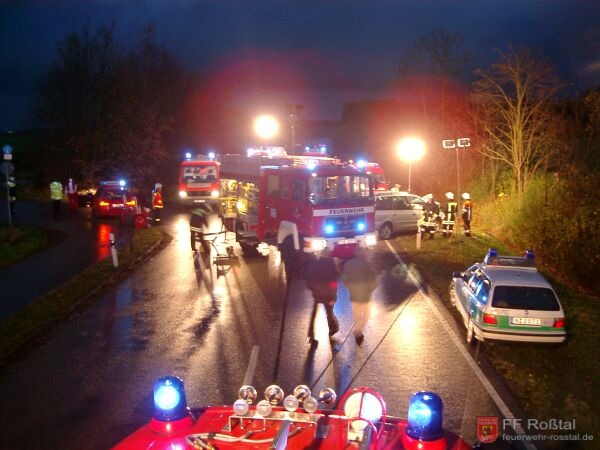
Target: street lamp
[
  {"x": 411, "y": 149},
  {"x": 266, "y": 127}
]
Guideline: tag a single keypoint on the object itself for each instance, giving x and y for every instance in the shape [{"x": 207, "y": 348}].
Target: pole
[
  {"x": 113, "y": 250},
  {"x": 409, "y": 173},
  {"x": 7, "y": 195}
]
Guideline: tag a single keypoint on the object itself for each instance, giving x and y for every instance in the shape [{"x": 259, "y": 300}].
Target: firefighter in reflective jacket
[
  {"x": 56, "y": 193},
  {"x": 450, "y": 209},
  {"x": 157, "y": 202}
]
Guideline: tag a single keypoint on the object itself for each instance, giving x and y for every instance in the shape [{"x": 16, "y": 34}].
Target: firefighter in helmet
[
  {"x": 467, "y": 211},
  {"x": 157, "y": 201},
  {"x": 449, "y": 213}
]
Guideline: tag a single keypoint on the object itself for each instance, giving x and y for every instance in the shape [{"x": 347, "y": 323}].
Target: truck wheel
[{"x": 385, "y": 231}]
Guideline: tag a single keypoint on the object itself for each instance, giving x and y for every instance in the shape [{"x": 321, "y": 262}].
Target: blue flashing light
[
  {"x": 425, "y": 416},
  {"x": 307, "y": 149},
  {"x": 360, "y": 226},
  {"x": 211, "y": 155},
  {"x": 188, "y": 156},
  {"x": 492, "y": 252},
  {"x": 329, "y": 228},
  {"x": 323, "y": 149},
  {"x": 311, "y": 165},
  {"x": 169, "y": 399},
  {"x": 530, "y": 254},
  {"x": 122, "y": 183},
  {"x": 361, "y": 163}
]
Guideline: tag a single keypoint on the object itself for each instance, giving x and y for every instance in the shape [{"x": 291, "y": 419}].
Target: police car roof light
[
  {"x": 529, "y": 254},
  {"x": 425, "y": 416},
  {"x": 169, "y": 399}
]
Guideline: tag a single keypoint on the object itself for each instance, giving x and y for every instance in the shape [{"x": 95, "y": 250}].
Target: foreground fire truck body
[
  {"x": 293, "y": 422},
  {"x": 304, "y": 204},
  {"x": 198, "y": 180}
]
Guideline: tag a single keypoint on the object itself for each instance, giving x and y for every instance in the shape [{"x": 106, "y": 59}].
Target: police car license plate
[{"x": 525, "y": 321}]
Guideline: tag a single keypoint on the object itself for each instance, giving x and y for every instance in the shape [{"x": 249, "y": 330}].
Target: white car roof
[{"x": 515, "y": 276}]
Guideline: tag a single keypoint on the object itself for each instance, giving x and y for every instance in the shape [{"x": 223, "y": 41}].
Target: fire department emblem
[{"x": 487, "y": 429}]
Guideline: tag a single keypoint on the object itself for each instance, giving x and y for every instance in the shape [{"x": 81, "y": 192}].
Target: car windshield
[
  {"x": 523, "y": 297},
  {"x": 332, "y": 189}
]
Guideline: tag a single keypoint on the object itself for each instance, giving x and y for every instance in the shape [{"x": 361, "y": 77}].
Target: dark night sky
[{"x": 318, "y": 53}]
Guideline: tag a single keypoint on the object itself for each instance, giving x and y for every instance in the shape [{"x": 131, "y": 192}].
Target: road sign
[{"x": 7, "y": 152}]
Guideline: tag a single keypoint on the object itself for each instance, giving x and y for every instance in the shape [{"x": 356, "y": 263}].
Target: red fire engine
[
  {"x": 301, "y": 203},
  {"x": 293, "y": 422},
  {"x": 198, "y": 180}
]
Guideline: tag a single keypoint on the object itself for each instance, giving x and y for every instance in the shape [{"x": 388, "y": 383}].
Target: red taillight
[
  {"x": 333, "y": 284},
  {"x": 490, "y": 319},
  {"x": 559, "y": 323}
]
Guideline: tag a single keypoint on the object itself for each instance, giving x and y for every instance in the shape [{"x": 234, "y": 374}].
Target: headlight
[
  {"x": 370, "y": 239},
  {"x": 214, "y": 194},
  {"x": 318, "y": 244},
  {"x": 182, "y": 194}
]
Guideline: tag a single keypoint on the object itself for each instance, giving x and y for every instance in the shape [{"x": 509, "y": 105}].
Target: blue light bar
[
  {"x": 361, "y": 163},
  {"x": 425, "y": 419},
  {"x": 492, "y": 252},
  {"x": 188, "y": 155},
  {"x": 169, "y": 399},
  {"x": 360, "y": 226},
  {"x": 530, "y": 254},
  {"x": 211, "y": 155},
  {"x": 122, "y": 183},
  {"x": 329, "y": 228}
]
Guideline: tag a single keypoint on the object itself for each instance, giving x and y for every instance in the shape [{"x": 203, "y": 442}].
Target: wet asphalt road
[{"x": 91, "y": 384}]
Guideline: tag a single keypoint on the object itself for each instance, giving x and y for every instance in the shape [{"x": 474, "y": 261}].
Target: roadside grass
[
  {"x": 20, "y": 241},
  {"x": 550, "y": 382},
  {"x": 26, "y": 329}
]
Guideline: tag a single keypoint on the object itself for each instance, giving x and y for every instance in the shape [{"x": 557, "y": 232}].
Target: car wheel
[
  {"x": 385, "y": 231},
  {"x": 470, "y": 332}
]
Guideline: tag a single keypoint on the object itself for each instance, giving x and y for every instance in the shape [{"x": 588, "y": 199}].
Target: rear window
[{"x": 518, "y": 297}]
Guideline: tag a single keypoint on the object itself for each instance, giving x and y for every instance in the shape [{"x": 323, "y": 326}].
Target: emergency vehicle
[
  {"x": 198, "y": 180},
  {"x": 295, "y": 421},
  {"x": 303, "y": 204},
  {"x": 376, "y": 171}
]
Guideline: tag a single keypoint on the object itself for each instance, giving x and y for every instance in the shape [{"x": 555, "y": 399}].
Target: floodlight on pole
[
  {"x": 411, "y": 149},
  {"x": 266, "y": 127}
]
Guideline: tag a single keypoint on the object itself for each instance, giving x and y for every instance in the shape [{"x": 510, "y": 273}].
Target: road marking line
[
  {"x": 251, "y": 365},
  {"x": 503, "y": 407}
]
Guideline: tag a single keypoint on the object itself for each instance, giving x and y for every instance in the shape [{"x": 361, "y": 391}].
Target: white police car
[{"x": 506, "y": 298}]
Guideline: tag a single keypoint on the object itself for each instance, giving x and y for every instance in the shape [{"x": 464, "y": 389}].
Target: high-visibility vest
[
  {"x": 157, "y": 201},
  {"x": 56, "y": 190}
]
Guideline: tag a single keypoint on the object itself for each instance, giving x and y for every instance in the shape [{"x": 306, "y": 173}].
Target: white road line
[
  {"x": 504, "y": 409},
  {"x": 251, "y": 365}
]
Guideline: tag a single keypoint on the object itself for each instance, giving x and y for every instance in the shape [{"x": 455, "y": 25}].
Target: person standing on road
[
  {"x": 12, "y": 194},
  {"x": 56, "y": 193},
  {"x": 467, "y": 212},
  {"x": 321, "y": 276},
  {"x": 360, "y": 279},
  {"x": 157, "y": 202},
  {"x": 71, "y": 192}
]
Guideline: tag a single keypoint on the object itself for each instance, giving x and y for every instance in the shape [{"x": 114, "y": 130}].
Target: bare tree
[{"x": 520, "y": 124}]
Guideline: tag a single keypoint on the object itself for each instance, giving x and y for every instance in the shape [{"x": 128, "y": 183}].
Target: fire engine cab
[
  {"x": 198, "y": 180},
  {"x": 303, "y": 204},
  {"x": 376, "y": 171}
]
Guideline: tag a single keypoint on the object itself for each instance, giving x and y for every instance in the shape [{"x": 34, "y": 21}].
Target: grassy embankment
[
  {"x": 19, "y": 242},
  {"x": 25, "y": 329},
  {"x": 559, "y": 382}
]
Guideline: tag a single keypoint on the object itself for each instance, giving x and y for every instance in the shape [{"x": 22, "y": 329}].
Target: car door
[
  {"x": 383, "y": 211},
  {"x": 405, "y": 216}
]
